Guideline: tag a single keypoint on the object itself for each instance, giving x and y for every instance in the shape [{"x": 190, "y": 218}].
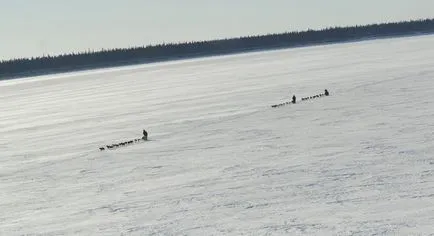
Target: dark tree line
[{"x": 126, "y": 56}]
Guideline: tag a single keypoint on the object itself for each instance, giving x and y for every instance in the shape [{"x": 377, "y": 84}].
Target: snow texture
[{"x": 220, "y": 160}]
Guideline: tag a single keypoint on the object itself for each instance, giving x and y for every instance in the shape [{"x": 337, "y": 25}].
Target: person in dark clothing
[
  {"x": 326, "y": 92},
  {"x": 293, "y": 99},
  {"x": 145, "y": 135}
]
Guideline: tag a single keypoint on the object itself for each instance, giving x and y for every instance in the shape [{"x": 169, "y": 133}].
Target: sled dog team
[
  {"x": 145, "y": 133},
  {"x": 144, "y": 138},
  {"x": 294, "y": 99},
  {"x": 326, "y": 93}
]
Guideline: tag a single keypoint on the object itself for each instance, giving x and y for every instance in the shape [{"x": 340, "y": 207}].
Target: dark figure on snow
[
  {"x": 326, "y": 92},
  {"x": 293, "y": 99},
  {"x": 145, "y": 135}
]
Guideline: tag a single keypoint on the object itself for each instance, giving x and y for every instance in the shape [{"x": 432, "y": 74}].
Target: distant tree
[{"x": 90, "y": 59}]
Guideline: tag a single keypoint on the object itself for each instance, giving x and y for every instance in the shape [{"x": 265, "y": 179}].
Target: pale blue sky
[{"x": 37, "y": 27}]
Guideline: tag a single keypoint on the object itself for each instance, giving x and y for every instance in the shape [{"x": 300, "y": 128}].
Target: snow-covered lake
[{"x": 220, "y": 160}]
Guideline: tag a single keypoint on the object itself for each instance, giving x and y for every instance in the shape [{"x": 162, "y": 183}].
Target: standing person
[
  {"x": 326, "y": 92},
  {"x": 293, "y": 99},
  {"x": 145, "y": 135}
]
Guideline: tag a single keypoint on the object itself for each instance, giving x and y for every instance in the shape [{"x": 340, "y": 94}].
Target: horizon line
[{"x": 89, "y": 50}]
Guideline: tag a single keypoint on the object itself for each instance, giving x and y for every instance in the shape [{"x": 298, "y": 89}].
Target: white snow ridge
[{"x": 221, "y": 160}]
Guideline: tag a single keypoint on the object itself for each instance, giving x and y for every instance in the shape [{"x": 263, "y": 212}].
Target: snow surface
[{"x": 221, "y": 161}]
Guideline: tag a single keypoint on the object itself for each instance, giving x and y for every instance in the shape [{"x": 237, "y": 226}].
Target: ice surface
[{"x": 221, "y": 161}]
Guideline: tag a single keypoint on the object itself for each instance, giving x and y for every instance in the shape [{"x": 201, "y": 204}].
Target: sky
[{"x": 35, "y": 28}]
